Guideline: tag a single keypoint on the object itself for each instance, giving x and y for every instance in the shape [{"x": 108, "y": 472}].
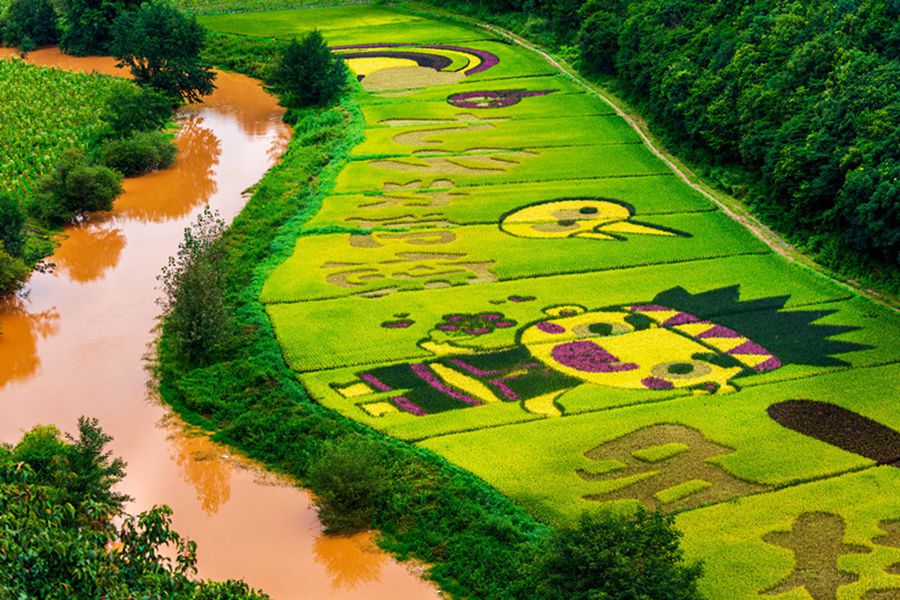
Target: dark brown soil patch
[
  {"x": 817, "y": 540},
  {"x": 840, "y": 427},
  {"x": 692, "y": 464}
]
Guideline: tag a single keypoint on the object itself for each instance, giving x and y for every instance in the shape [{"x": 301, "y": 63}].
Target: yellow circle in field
[
  {"x": 563, "y": 218},
  {"x": 367, "y": 66}
]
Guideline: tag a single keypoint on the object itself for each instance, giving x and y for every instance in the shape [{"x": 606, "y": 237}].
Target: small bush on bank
[
  {"x": 29, "y": 24},
  {"x": 350, "y": 479},
  {"x": 140, "y": 153},
  {"x": 193, "y": 290},
  {"x": 607, "y": 556},
  {"x": 135, "y": 109},
  {"x": 12, "y": 272},
  {"x": 75, "y": 186},
  {"x": 12, "y": 221}
]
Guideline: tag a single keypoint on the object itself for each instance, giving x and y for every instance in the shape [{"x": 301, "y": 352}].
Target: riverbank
[{"x": 76, "y": 343}]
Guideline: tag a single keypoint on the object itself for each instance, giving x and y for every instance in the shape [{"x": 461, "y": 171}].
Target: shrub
[
  {"x": 12, "y": 272},
  {"x": 29, "y": 24},
  {"x": 75, "y": 186},
  {"x": 350, "y": 479},
  {"x": 135, "y": 109},
  {"x": 141, "y": 153},
  {"x": 606, "y": 557},
  {"x": 12, "y": 220},
  {"x": 307, "y": 73},
  {"x": 193, "y": 294},
  {"x": 86, "y": 24}
]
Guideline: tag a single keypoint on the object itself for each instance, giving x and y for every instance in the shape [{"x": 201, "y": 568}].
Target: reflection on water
[
  {"x": 20, "y": 331},
  {"x": 351, "y": 560},
  {"x": 74, "y": 345},
  {"x": 174, "y": 193},
  {"x": 90, "y": 249},
  {"x": 203, "y": 464}
]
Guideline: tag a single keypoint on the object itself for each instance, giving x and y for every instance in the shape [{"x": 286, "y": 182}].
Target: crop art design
[
  {"x": 653, "y": 347},
  {"x": 493, "y": 98},
  {"x": 594, "y": 218},
  {"x": 384, "y": 67}
]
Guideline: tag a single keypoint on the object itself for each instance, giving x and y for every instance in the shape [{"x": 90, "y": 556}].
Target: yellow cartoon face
[
  {"x": 577, "y": 217},
  {"x": 631, "y": 349}
]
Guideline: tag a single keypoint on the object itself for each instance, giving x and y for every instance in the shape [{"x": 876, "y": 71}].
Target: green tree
[
  {"x": 162, "y": 46},
  {"x": 307, "y": 73},
  {"x": 135, "y": 109},
  {"x": 29, "y": 24},
  {"x": 12, "y": 222},
  {"x": 75, "y": 186},
  {"x": 193, "y": 293},
  {"x": 86, "y": 24},
  {"x": 61, "y": 541},
  {"x": 350, "y": 480},
  {"x": 607, "y": 557},
  {"x": 12, "y": 272}
]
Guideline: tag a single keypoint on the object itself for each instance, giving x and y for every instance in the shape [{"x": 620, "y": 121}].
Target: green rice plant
[
  {"x": 45, "y": 112},
  {"x": 649, "y": 195},
  {"x": 543, "y": 164},
  {"x": 416, "y": 259},
  {"x": 543, "y": 458},
  {"x": 395, "y": 103},
  {"x": 561, "y": 103},
  {"x": 755, "y": 544},
  {"x": 340, "y": 25},
  {"x": 469, "y": 132},
  {"x": 306, "y": 329}
]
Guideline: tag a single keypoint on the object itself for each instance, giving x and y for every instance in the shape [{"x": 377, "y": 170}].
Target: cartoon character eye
[
  {"x": 599, "y": 328},
  {"x": 683, "y": 369},
  {"x": 588, "y": 210}
]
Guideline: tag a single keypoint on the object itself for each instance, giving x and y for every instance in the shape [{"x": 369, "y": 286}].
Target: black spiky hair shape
[{"x": 791, "y": 335}]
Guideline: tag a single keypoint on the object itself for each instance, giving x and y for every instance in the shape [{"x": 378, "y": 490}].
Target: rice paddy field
[{"x": 504, "y": 274}]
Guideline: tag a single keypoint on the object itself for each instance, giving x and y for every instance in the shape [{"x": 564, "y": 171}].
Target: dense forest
[{"x": 791, "y": 106}]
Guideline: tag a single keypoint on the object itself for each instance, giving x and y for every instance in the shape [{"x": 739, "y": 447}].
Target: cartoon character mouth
[{"x": 589, "y": 357}]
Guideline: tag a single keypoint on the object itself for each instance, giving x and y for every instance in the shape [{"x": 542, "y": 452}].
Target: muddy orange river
[{"x": 75, "y": 343}]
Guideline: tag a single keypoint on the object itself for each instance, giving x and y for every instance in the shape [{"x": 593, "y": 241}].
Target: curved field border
[{"x": 733, "y": 208}]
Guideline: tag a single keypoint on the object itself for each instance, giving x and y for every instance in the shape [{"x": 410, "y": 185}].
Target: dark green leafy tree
[
  {"x": 135, "y": 109},
  {"x": 75, "y": 186},
  {"x": 12, "y": 222},
  {"x": 86, "y": 24},
  {"x": 350, "y": 480},
  {"x": 193, "y": 293},
  {"x": 307, "y": 73},
  {"x": 12, "y": 273},
  {"x": 59, "y": 537},
  {"x": 29, "y": 24},
  {"x": 162, "y": 46},
  {"x": 606, "y": 557}
]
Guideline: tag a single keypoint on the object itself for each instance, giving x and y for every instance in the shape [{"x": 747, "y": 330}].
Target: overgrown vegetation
[
  {"x": 63, "y": 533},
  {"x": 790, "y": 107},
  {"x": 74, "y": 186},
  {"x": 481, "y": 544}
]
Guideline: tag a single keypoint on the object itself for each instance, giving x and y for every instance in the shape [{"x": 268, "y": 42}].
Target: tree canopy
[
  {"x": 307, "y": 73},
  {"x": 162, "y": 46}
]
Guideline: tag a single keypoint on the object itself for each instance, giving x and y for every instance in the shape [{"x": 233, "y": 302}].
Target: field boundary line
[{"x": 733, "y": 209}]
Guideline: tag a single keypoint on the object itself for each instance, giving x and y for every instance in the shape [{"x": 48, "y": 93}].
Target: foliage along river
[{"x": 76, "y": 344}]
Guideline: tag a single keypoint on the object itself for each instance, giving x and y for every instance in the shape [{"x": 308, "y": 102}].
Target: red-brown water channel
[{"x": 75, "y": 344}]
